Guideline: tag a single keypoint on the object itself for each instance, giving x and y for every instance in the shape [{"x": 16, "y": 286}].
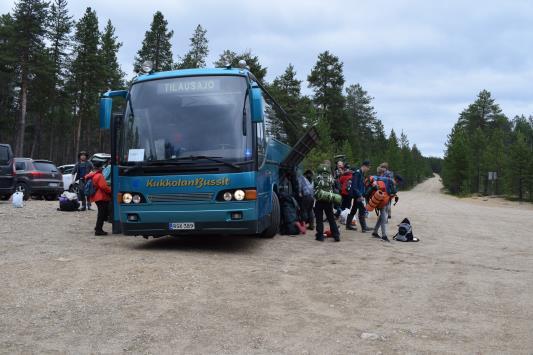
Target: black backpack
[
  {"x": 290, "y": 211},
  {"x": 405, "y": 232}
]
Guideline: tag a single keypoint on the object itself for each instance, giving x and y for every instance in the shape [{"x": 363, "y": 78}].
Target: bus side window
[{"x": 261, "y": 142}]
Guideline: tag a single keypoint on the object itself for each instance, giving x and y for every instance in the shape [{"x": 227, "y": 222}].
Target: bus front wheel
[{"x": 273, "y": 228}]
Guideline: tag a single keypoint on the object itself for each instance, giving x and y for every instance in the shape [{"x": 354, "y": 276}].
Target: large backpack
[
  {"x": 89, "y": 189},
  {"x": 290, "y": 211},
  {"x": 405, "y": 232},
  {"x": 67, "y": 204}
]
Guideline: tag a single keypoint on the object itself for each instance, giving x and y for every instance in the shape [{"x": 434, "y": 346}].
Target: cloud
[{"x": 423, "y": 61}]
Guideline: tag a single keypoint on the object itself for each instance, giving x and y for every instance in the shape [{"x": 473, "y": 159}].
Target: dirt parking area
[{"x": 467, "y": 287}]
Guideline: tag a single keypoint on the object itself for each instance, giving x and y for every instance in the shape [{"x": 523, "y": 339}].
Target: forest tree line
[
  {"x": 53, "y": 70},
  {"x": 485, "y": 140}
]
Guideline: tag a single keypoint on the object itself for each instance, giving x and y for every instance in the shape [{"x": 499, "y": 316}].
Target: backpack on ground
[
  {"x": 290, "y": 211},
  {"x": 405, "y": 232},
  {"x": 67, "y": 203}
]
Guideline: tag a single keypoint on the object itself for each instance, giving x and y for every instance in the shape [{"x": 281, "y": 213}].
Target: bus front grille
[{"x": 199, "y": 196}]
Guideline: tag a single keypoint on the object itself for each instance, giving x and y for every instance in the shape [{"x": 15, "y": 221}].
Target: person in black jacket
[
  {"x": 81, "y": 169},
  {"x": 357, "y": 192}
]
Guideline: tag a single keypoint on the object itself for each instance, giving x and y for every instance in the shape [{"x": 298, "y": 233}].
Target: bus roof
[{"x": 191, "y": 72}]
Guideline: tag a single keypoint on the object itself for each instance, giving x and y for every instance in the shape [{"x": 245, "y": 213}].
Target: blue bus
[{"x": 198, "y": 151}]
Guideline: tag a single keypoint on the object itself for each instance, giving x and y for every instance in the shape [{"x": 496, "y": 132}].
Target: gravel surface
[{"x": 466, "y": 287}]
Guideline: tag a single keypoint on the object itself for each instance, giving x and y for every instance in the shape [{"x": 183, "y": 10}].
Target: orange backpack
[{"x": 379, "y": 198}]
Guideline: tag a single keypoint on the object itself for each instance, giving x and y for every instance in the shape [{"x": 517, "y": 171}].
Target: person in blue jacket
[{"x": 357, "y": 192}]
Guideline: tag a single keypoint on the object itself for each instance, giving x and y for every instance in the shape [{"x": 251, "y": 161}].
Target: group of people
[
  {"x": 85, "y": 171},
  {"x": 328, "y": 193}
]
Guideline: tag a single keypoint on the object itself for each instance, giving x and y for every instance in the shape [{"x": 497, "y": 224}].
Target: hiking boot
[
  {"x": 100, "y": 233},
  {"x": 350, "y": 228},
  {"x": 376, "y": 235},
  {"x": 385, "y": 239}
]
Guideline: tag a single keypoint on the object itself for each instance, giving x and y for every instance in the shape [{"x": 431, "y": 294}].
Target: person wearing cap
[
  {"x": 357, "y": 192},
  {"x": 101, "y": 197},
  {"x": 82, "y": 168}
]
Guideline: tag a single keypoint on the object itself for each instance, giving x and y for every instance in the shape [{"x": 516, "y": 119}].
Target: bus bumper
[{"x": 218, "y": 219}]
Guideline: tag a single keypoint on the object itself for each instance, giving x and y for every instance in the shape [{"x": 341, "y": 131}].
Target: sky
[{"x": 422, "y": 61}]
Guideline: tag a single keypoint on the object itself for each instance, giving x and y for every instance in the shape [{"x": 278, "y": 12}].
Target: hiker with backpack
[
  {"x": 82, "y": 168},
  {"x": 100, "y": 193},
  {"x": 357, "y": 194},
  {"x": 382, "y": 191},
  {"x": 305, "y": 183},
  {"x": 345, "y": 181},
  {"x": 325, "y": 198}
]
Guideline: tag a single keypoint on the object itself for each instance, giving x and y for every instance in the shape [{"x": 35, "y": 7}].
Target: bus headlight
[
  {"x": 239, "y": 195},
  {"x": 136, "y": 199},
  {"x": 227, "y": 196},
  {"x": 127, "y": 198}
]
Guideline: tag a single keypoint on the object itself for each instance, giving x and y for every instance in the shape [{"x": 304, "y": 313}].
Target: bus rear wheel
[{"x": 273, "y": 228}]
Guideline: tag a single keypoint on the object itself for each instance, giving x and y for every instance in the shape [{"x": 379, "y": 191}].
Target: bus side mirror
[
  {"x": 106, "y": 104},
  {"x": 257, "y": 105}
]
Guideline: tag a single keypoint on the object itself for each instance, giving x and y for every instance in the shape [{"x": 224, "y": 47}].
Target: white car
[{"x": 68, "y": 183}]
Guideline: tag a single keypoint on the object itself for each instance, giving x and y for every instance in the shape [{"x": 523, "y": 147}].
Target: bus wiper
[
  {"x": 244, "y": 112},
  {"x": 213, "y": 159}
]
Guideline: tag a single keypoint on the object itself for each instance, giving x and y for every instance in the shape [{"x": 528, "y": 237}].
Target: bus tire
[{"x": 273, "y": 229}]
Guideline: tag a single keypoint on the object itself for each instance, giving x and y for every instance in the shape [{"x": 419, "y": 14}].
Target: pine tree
[
  {"x": 286, "y": 90},
  {"x": 198, "y": 52},
  {"x": 393, "y": 151},
  {"x": 232, "y": 58},
  {"x": 519, "y": 164},
  {"x": 86, "y": 77},
  {"x": 156, "y": 45},
  {"x": 113, "y": 76},
  {"x": 8, "y": 64},
  {"x": 362, "y": 116},
  {"x": 456, "y": 166},
  {"x": 59, "y": 35},
  {"x": 29, "y": 28},
  {"x": 327, "y": 80}
]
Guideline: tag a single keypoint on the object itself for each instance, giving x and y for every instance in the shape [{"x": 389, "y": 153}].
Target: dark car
[
  {"x": 7, "y": 172},
  {"x": 38, "y": 178}
]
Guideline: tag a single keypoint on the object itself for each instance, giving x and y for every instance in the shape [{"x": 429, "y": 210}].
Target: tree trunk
[
  {"x": 36, "y": 146},
  {"x": 51, "y": 139},
  {"x": 21, "y": 124},
  {"x": 78, "y": 135}
]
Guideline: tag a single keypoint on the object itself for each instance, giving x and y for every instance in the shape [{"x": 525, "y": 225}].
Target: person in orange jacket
[{"x": 101, "y": 197}]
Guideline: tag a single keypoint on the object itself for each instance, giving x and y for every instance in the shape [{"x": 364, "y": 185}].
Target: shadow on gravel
[{"x": 223, "y": 244}]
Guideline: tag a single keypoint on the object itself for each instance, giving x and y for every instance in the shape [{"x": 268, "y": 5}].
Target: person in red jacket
[
  {"x": 345, "y": 179},
  {"x": 101, "y": 197}
]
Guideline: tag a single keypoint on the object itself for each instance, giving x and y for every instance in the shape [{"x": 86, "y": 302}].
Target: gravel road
[{"x": 466, "y": 287}]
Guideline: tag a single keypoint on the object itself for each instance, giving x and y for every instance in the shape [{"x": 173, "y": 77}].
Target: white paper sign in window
[{"x": 136, "y": 155}]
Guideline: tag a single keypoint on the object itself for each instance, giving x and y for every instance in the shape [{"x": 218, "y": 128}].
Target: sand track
[{"x": 466, "y": 287}]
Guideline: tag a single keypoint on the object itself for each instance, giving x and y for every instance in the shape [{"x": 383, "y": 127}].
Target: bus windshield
[{"x": 184, "y": 117}]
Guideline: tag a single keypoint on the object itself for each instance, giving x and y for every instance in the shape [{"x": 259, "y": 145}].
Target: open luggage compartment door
[{"x": 300, "y": 150}]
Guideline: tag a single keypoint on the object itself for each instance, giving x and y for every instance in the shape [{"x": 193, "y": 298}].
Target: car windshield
[
  {"x": 187, "y": 117},
  {"x": 46, "y": 167}
]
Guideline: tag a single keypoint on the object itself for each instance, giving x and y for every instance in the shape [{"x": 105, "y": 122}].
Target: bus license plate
[{"x": 181, "y": 226}]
